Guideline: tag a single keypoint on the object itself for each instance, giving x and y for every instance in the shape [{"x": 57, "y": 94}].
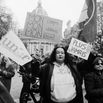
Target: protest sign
[
  {"x": 79, "y": 48},
  {"x": 11, "y": 46}
]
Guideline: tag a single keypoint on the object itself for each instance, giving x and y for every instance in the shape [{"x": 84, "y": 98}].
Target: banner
[
  {"x": 88, "y": 22},
  {"x": 43, "y": 27},
  {"x": 79, "y": 48},
  {"x": 11, "y": 46}
]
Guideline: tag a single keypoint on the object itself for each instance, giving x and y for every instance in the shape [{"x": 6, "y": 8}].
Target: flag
[
  {"x": 87, "y": 22},
  {"x": 11, "y": 46}
]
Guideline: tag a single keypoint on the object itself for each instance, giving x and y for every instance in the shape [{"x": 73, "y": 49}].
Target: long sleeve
[{"x": 93, "y": 86}]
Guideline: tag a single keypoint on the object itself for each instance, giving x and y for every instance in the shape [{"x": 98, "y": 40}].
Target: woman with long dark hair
[
  {"x": 94, "y": 82},
  {"x": 60, "y": 81}
]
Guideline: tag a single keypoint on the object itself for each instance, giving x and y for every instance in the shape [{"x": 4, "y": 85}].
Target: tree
[{"x": 5, "y": 20}]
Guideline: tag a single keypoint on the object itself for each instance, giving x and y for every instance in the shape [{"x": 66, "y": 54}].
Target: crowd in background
[{"x": 61, "y": 77}]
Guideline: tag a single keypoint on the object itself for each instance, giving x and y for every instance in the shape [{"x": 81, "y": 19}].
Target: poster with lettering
[
  {"x": 11, "y": 46},
  {"x": 79, "y": 48}
]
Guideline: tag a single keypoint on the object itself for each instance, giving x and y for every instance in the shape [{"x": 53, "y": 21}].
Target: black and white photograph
[{"x": 51, "y": 51}]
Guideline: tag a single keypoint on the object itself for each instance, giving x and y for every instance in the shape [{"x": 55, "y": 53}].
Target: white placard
[
  {"x": 79, "y": 48},
  {"x": 11, "y": 46}
]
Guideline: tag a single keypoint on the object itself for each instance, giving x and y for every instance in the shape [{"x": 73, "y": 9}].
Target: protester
[
  {"x": 94, "y": 82},
  {"x": 29, "y": 72},
  {"x": 26, "y": 72},
  {"x": 46, "y": 58},
  {"x": 36, "y": 63},
  {"x": 7, "y": 71},
  {"x": 60, "y": 81}
]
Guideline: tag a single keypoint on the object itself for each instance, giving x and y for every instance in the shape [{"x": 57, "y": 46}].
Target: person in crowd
[
  {"x": 36, "y": 63},
  {"x": 29, "y": 72},
  {"x": 7, "y": 71},
  {"x": 26, "y": 72},
  {"x": 46, "y": 58},
  {"x": 60, "y": 81},
  {"x": 94, "y": 82}
]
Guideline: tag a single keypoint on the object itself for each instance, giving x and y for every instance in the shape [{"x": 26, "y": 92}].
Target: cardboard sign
[
  {"x": 11, "y": 46},
  {"x": 79, "y": 48}
]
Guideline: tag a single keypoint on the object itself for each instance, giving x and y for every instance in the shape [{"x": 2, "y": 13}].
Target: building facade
[
  {"x": 99, "y": 16},
  {"x": 33, "y": 25}
]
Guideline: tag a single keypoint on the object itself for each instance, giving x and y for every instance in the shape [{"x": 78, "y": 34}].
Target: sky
[{"x": 64, "y": 10}]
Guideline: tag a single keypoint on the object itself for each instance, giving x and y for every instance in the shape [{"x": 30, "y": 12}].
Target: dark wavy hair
[{"x": 53, "y": 54}]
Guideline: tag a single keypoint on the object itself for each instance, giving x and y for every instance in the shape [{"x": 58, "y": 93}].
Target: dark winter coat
[
  {"x": 94, "y": 87},
  {"x": 45, "y": 80}
]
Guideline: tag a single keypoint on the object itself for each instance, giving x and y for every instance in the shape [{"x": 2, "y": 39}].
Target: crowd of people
[{"x": 61, "y": 77}]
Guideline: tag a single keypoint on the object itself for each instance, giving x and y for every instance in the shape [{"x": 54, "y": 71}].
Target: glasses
[{"x": 99, "y": 64}]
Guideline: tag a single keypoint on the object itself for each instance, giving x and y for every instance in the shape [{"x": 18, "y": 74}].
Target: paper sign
[
  {"x": 11, "y": 46},
  {"x": 79, "y": 48}
]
